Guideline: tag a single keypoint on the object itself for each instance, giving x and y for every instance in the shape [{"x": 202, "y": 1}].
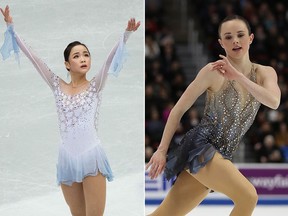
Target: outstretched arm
[
  {"x": 41, "y": 67},
  {"x": 204, "y": 80},
  {"x": 116, "y": 57}
]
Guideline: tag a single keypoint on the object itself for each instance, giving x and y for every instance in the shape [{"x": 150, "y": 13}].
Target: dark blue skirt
[{"x": 193, "y": 152}]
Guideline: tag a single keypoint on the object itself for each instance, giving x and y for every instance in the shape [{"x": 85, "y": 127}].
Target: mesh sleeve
[
  {"x": 40, "y": 66},
  {"x": 114, "y": 62},
  {"x": 12, "y": 42}
]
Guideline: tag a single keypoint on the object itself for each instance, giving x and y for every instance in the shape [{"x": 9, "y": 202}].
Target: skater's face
[
  {"x": 235, "y": 38},
  {"x": 79, "y": 60}
]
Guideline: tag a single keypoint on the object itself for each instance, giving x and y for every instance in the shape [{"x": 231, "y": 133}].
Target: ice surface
[
  {"x": 28, "y": 123},
  {"x": 225, "y": 210}
]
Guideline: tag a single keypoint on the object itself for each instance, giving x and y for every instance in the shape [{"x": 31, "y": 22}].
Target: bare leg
[
  {"x": 184, "y": 195},
  {"x": 95, "y": 194},
  {"x": 222, "y": 176},
  {"x": 74, "y": 197}
]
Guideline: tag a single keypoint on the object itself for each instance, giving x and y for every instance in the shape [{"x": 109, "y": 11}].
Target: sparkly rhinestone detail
[
  {"x": 231, "y": 112},
  {"x": 76, "y": 110}
]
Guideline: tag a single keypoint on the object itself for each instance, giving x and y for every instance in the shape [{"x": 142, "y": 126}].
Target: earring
[{"x": 68, "y": 74}]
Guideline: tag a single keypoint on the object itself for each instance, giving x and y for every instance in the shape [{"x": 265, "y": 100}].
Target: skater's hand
[
  {"x": 224, "y": 67},
  {"x": 157, "y": 164},
  {"x": 6, "y": 14},
  {"x": 132, "y": 25}
]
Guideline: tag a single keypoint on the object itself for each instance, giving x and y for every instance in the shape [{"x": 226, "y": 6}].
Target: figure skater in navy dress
[{"x": 235, "y": 88}]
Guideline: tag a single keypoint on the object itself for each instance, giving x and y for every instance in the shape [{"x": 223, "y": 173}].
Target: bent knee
[
  {"x": 253, "y": 196},
  {"x": 249, "y": 196}
]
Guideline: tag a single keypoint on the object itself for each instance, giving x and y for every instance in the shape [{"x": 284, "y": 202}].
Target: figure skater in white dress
[{"x": 82, "y": 166}]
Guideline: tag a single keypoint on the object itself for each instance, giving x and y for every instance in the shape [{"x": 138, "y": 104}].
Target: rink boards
[{"x": 270, "y": 181}]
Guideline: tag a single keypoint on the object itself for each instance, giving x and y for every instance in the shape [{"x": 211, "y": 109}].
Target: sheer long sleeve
[
  {"x": 114, "y": 61},
  {"x": 41, "y": 67}
]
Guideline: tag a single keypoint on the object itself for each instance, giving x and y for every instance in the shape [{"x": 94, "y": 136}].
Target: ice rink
[
  {"x": 29, "y": 134},
  {"x": 225, "y": 210}
]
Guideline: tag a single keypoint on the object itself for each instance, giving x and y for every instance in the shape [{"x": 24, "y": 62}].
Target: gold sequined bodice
[{"x": 230, "y": 113}]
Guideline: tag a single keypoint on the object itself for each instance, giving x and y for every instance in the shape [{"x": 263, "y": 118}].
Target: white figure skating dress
[{"x": 80, "y": 150}]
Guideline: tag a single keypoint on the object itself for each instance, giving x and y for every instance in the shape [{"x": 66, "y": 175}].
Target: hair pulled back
[
  {"x": 234, "y": 17},
  {"x": 70, "y": 46}
]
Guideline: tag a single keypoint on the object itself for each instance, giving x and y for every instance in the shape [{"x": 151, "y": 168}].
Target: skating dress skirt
[
  {"x": 228, "y": 114},
  {"x": 80, "y": 150}
]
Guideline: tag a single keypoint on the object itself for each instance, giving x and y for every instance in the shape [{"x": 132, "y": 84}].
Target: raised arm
[
  {"x": 41, "y": 67},
  {"x": 116, "y": 57}
]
